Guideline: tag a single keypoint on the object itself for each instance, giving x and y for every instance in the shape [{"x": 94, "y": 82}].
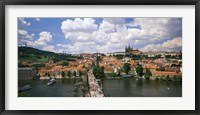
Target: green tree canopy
[
  {"x": 162, "y": 69},
  {"x": 139, "y": 70},
  {"x": 127, "y": 67},
  {"x": 65, "y": 63},
  {"x": 74, "y": 73},
  {"x": 63, "y": 74},
  {"x": 80, "y": 73},
  {"x": 148, "y": 73},
  {"x": 69, "y": 73},
  {"x": 98, "y": 72}
]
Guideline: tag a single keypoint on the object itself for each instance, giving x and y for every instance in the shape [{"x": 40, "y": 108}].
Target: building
[
  {"x": 173, "y": 53},
  {"x": 151, "y": 67},
  {"x": 108, "y": 70},
  {"x": 135, "y": 52},
  {"x": 115, "y": 53},
  {"x": 165, "y": 74},
  {"x": 26, "y": 73},
  {"x": 86, "y": 55},
  {"x": 98, "y": 54},
  {"x": 126, "y": 59}
]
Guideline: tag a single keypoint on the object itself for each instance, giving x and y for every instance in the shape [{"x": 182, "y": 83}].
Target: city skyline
[{"x": 100, "y": 35}]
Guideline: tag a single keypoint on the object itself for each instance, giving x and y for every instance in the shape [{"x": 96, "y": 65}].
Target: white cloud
[
  {"x": 90, "y": 47},
  {"x": 44, "y": 38},
  {"x": 59, "y": 45},
  {"x": 37, "y": 19},
  {"x": 113, "y": 34},
  {"x": 78, "y": 47},
  {"x": 107, "y": 27},
  {"x": 155, "y": 29},
  {"x": 86, "y": 25},
  {"x": 49, "y": 48},
  {"x": 23, "y": 34},
  {"x": 116, "y": 21},
  {"x": 80, "y": 30},
  {"x": 97, "y": 36},
  {"x": 110, "y": 25},
  {"x": 170, "y": 45},
  {"x": 22, "y": 20}
]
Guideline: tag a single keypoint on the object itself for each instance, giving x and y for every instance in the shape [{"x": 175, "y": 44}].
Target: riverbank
[
  {"x": 172, "y": 79},
  {"x": 62, "y": 77}
]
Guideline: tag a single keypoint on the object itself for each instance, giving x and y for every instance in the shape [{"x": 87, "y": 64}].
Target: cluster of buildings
[
  {"x": 57, "y": 70},
  {"x": 161, "y": 66},
  {"x": 166, "y": 63}
]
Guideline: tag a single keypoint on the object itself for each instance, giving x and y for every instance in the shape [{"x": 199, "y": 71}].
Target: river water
[
  {"x": 62, "y": 88},
  {"x": 132, "y": 87},
  {"x": 127, "y": 87}
]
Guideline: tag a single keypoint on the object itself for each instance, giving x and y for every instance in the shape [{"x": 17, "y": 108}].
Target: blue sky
[{"x": 103, "y": 35}]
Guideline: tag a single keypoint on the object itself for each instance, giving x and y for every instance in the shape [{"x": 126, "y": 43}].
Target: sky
[{"x": 100, "y": 35}]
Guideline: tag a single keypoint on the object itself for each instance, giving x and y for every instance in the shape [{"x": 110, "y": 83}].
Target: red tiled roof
[
  {"x": 151, "y": 67},
  {"x": 165, "y": 73}
]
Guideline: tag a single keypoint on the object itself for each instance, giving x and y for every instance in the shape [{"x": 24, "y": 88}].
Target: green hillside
[{"x": 36, "y": 55}]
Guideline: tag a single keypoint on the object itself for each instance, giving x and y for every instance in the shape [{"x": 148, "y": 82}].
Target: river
[
  {"x": 127, "y": 87},
  {"x": 132, "y": 87},
  {"x": 62, "y": 88}
]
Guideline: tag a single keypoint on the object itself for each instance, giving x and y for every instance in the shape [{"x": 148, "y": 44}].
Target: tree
[
  {"x": 173, "y": 65},
  {"x": 65, "y": 63},
  {"x": 80, "y": 73},
  {"x": 102, "y": 72},
  {"x": 48, "y": 74},
  {"x": 127, "y": 67},
  {"x": 180, "y": 56},
  {"x": 83, "y": 66},
  {"x": 139, "y": 70},
  {"x": 168, "y": 78},
  {"x": 98, "y": 72},
  {"x": 148, "y": 73},
  {"x": 69, "y": 73},
  {"x": 93, "y": 64},
  {"x": 162, "y": 69},
  {"x": 38, "y": 65},
  {"x": 113, "y": 75},
  {"x": 74, "y": 73},
  {"x": 63, "y": 74},
  {"x": 168, "y": 56},
  {"x": 119, "y": 73},
  {"x": 177, "y": 78}
]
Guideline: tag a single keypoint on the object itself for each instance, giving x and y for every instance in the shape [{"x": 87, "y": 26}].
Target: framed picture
[{"x": 71, "y": 57}]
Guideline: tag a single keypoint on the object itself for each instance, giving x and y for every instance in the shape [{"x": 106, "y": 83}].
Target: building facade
[{"x": 26, "y": 73}]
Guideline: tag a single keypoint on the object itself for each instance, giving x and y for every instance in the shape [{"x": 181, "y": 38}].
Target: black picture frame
[{"x": 98, "y": 2}]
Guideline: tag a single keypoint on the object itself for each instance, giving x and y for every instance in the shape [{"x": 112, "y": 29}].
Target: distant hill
[{"x": 36, "y": 55}]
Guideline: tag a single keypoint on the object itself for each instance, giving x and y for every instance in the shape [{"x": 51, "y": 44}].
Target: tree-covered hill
[{"x": 36, "y": 55}]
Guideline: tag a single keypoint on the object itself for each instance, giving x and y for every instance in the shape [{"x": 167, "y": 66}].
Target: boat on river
[
  {"x": 51, "y": 82},
  {"x": 98, "y": 80},
  {"x": 27, "y": 87},
  {"x": 126, "y": 76}
]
